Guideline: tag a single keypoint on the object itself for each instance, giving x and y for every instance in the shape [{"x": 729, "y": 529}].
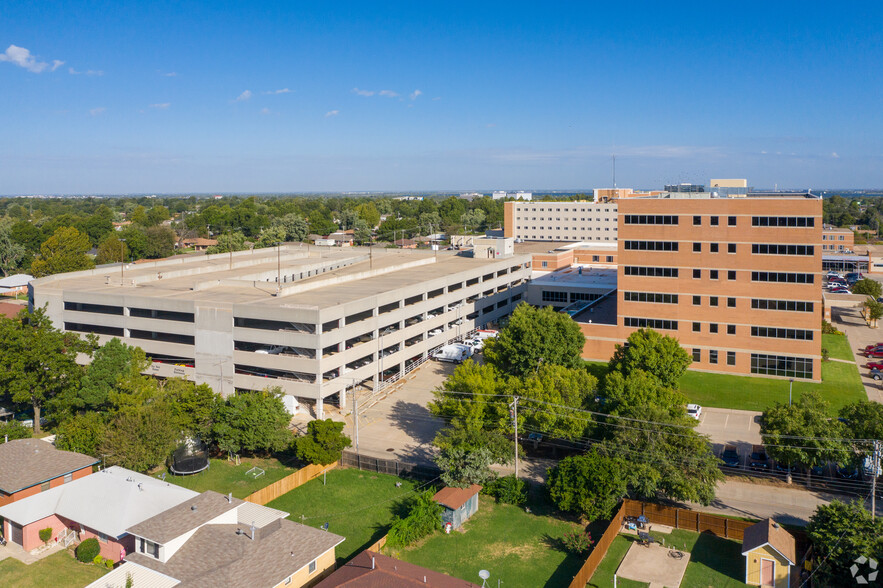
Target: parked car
[
  {"x": 839, "y": 290},
  {"x": 758, "y": 459},
  {"x": 847, "y": 472},
  {"x": 869, "y": 347},
  {"x": 853, "y": 277},
  {"x": 730, "y": 456},
  {"x": 694, "y": 410},
  {"x": 875, "y": 365},
  {"x": 833, "y": 274},
  {"x": 840, "y": 281},
  {"x": 476, "y": 344},
  {"x": 875, "y": 352},
  {"x": 876, "y": 374}
]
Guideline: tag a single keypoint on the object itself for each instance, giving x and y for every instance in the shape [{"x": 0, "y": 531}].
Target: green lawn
[
  {"x": 60, "y": 570},
  {"x": 224, "y": 476},
  {"x": 714, "y": 562},
  {"x": 519, "y": 548},
  {"x": 358, "y": 505},
  {"x": 838, "y": 347},
  {"x": 841, "y": 384}
]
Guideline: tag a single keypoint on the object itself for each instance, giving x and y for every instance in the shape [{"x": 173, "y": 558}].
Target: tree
[
  {"x": 195, "y": 407},
  {"x": 82, "y": 433},
  {"x": 535, "y": 336},
  {"x": 140, "y": 439},
  {"x": 868, "y": 287},
  {"x": 470, "y": 436},
  {"x": 136, "y": 243},
  {"x": 550, "y": 394},
  {"x": 14, "y": 430},
  {"x": 474, "y": 219},
  {"x": 37, "y": 361},
  {"x": 653, "y": 353},
  {"x": 157, "y": 214},
  {"x": 369, "y": 213},
  {"x": 873, "y": 310},
  {"x": 362, "y": 232},
  {"x": 803, "y": 432},
  {"x": 253, "y": 421},
  {"x": 863, "y": 420},
  {"x": 462, "y": 467},
  {"x": 112, "y": 250},
  {"x": 111, "y": 363},
  {"x": 64, "y": 251},
  {"x": 11, "y": 252},
  {"x": 139, "y": 216},
  {"x": 292, "y": 227},
  {"x": 160, "y": 242},
  {"x": 228, "y": 242},
  {"x": 323, "y": 443},
  {"x": 26, "y": 234},
  {"x": 629, "y": 395},
  {"x": 841, "y": 533},
  {"x": 590, "y": 485}
]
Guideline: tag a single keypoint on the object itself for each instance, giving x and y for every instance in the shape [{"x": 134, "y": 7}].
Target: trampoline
[{"x": 191, "y": 457}]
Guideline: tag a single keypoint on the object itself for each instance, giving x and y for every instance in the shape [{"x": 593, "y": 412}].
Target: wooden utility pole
[{"x": 514, "y": 406}]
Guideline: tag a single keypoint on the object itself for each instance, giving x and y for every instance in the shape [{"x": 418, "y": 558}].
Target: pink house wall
[
  {"x": 31, "y": 533},
  {"x": 112, "y": 548}
]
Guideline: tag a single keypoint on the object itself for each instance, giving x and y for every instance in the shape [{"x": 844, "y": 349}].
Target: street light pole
[
  {"x": 278, "y": 267},
  {"x": 122, "y": 260},
  {"x": 790, "y": 386}
]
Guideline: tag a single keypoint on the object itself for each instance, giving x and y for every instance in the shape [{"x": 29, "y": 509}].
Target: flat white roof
[{"x": 571, "y": 276}]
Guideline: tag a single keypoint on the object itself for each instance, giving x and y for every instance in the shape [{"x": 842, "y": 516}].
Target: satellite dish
[{"x": 484, "y": 574}]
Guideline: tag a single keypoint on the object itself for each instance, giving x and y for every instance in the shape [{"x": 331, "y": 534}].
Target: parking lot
[{"x": 850, "y": 321}]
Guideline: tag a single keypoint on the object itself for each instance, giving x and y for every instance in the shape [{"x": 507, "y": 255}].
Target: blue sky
[{"x": 167, "y": 97}]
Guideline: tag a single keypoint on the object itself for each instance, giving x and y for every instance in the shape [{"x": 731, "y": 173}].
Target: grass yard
[
  {"x": 519, "y": 548},
  {"x": 714, "y": 561},
  {"x": 356, "y": 504},
  {"x": 841, "y": 384},
  {"x": 224, "y": 476},
  {"x": 838, "y": 347},
  {"x": 60, "y": 570}
]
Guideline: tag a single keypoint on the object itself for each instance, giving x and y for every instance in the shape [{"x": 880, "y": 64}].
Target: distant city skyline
[{"x": 226, "y": 97}]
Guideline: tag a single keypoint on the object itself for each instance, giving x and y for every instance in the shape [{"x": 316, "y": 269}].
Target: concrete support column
[{"x": 320, "y": 408}]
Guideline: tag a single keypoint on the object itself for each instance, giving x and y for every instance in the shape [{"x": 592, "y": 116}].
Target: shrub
[
  {"x": 108, "y": 563},
  {"x": 88, "y": 549},
  {"x": 45, "y": 534},
  {"x": 828, "y": 329},
  {"x": 423, "y": 519},
  {"x": 508, "y": 489},
  {"x": 98, "y": 560},
  {"x": 826, "y": 355},
  {"x": 577, "y": 542}
]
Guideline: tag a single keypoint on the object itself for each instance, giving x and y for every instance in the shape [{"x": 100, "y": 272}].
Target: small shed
[
  {"x": 769, "y": 552},
  {"x": 459, "y": 503}
]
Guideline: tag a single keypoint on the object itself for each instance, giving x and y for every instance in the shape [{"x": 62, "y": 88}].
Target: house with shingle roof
[
  {"x": 31, "y": 466},
  {"x": 770, "y": 552},
  {"x": 370, "y": 569},
  {"x": 214, "y": 540},
  {"x": 103, "y": 505}
]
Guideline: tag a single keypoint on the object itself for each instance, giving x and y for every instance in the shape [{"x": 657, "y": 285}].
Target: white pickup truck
[{"x": 455, "y": 352}]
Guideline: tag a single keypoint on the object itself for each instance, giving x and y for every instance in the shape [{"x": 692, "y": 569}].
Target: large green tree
[
  {"x": 654, "y": 353},
  {"x": 553, "y": 397},
  {"x": 590, "y": 485},
  {"x": 11, "y": 252},
  {"x": 462, "y": 467},
  {"x": 37, "y": 361},
  {"x": 841, "y": 533},
  {"x": 82, "y": 433},
  {"x": 64, "y": 251},
  {"x": 863, "y": 420},
  {"x": 324, "y": 442},
  {"x": 533, "y": 337},
  {"x": 868, "y": 287},
  {"x": 804, "y": 433},
  {"x": 111, "y": 363},
  {"x": 112, "y": 250},
  {"x": 160, "y": 242},
  {"x": 141, "y": 438},
  {"x": 254, "y": 422}
]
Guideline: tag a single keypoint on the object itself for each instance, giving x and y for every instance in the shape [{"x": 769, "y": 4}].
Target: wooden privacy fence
[
  {"x": 691, "y": 520},
  {"x": 288, "y": 483},
  {"x": 378, "y": 545},
  {"x": 587, "y": 571}
]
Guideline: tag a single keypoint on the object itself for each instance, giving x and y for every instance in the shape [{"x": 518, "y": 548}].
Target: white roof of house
[
  {"x": 109, "y": 501},
  {"x": 141, "y": 578},
  {"x": 15, "y": 281}
]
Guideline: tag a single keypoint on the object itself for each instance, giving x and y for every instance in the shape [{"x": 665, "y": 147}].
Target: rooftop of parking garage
[
  {"x": 586, "y": 277},
  {"x": 211, "y": 279}
]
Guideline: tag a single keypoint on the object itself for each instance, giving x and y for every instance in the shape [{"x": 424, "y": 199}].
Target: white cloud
[
  {"x": 437, "y": 98},
  {"x": 97, "y": 111},
  {"x": 834, "y": 155},
  {"x": 244, "y": 96},
  {"x": 282, "y": 91},
  {"x": 363, "y": 92},
  {"x": 332, "y": 113},
  {"x": 388, "y": 93},
  {"x": 88, "y": 72},
  {"x": 22, "y": 57},
  {"x": 415, "y": 94},
  {"x": 265, "y": 111},
  {"x": 171, "y": 74},
  {"x": 161, "y": 106}
]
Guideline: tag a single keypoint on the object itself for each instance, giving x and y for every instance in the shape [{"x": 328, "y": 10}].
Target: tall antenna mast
[{"x": 614, "y": 171}]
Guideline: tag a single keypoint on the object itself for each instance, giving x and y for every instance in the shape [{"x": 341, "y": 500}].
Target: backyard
[
  {"x": 60, "y": 570},
  {"x": 225, "y": 476},
  {"x": 713, "y": 561},
  {"x": 356, "y": 504},
  {"x": 519, "y": 548}
]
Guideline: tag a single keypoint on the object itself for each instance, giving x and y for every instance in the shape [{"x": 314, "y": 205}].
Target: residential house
[
  {"x": 32, "y": 466},
  {"x": 342, "y": 238},
  {"x": 198, "y": 243},
  {"x": 11, "y": 310},
  {"x": 213, "y": 541},
  {"x": 459, "y": 504},
  {"x": 15, "y": 284},
  {"x": 104, "y": 505},
  {"x": 770, "y": 552},
  {"x": 370, "y": 569},
  {"x": 406, "y": 243}
]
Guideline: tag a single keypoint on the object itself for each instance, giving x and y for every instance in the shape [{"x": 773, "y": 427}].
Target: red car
[
  {"x": 875, "y": 352},
  {"x": 875, "y": 365},
  {"x": 869, "y": 347}
]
